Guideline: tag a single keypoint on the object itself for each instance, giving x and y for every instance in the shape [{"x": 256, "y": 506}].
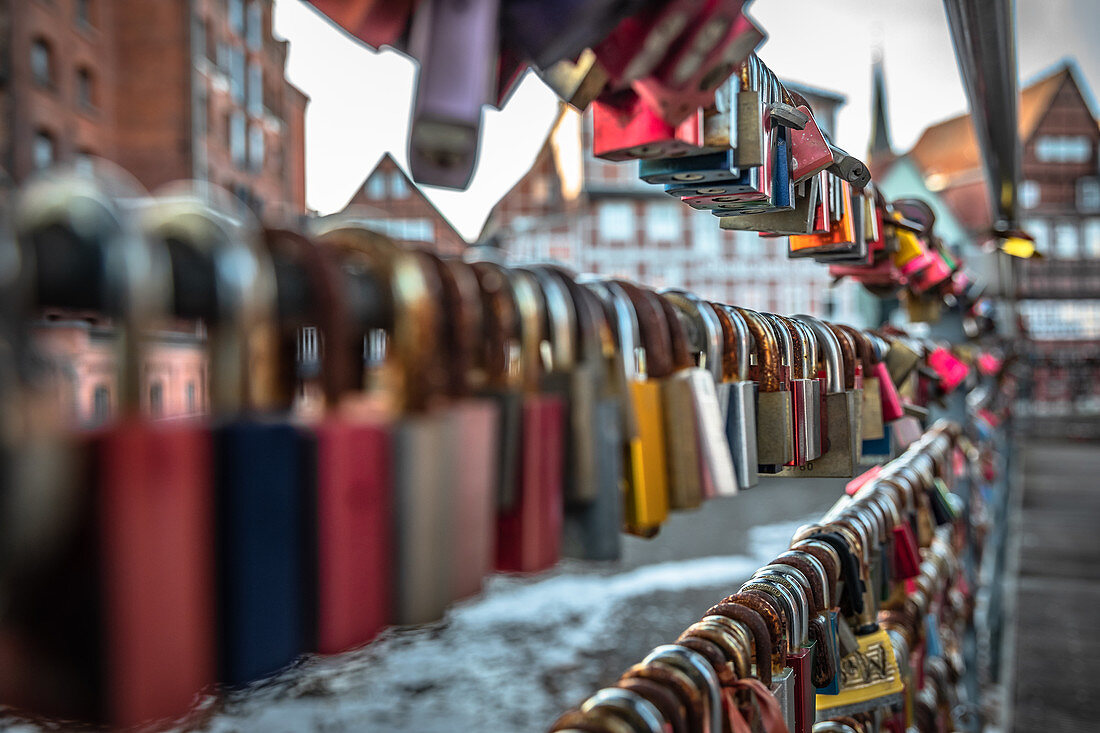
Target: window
[
  {"x": 156, "y": 399},
  {"x": 85, "y": 89},
  {"x": 256, "y": 147},
  {"x": 1063, "y": 149},
  {"x": 662, "y": 221},
  {"x": 42, "y": 151},
  {"x": 399, "y": 187},
  {"x": 708, "y": 237},
  {"x": 616, "y": 221},
  {"x": 101, "y": 404},
  {"x": 237, "y": 139},
  {"x": 235, "y": 11},
  {"x": 255, "y": 89},
  {"x": 41, "y": 63},
  {"x": 376, "y": 187},
  {"x": 1065, "y": 240},
  {"x": 236, "y": 74},
  {"x": 255, "y": 30},
  {"x": 83, "y": 13},
  {"x": 1029, "y": 194},
  {"x": 1088, "y": 194},
  {"x": 1092, "y": 238},
  {"x": 189, "y": 396},
  {"x": 410, "y": 230},
  {"x": 1040, "y": 230}
]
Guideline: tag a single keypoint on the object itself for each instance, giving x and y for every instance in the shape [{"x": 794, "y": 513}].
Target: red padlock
[
  {"x": 708, "y": 52},
  {"x": 624, "y": 127},
  {"x": 529, "y": 532}
]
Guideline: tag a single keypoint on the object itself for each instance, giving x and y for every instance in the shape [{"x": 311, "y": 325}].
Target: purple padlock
[{"x": 455, "y": 42}]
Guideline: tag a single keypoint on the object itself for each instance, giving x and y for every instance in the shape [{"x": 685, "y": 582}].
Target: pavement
[{"x": 1057, "y": 589}]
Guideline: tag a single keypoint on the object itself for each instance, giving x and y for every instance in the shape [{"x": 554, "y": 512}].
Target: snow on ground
[{"x": 511, "y": 660}]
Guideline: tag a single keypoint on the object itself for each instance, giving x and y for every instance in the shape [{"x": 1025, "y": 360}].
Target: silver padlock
[{"x": 740, "y": 406}]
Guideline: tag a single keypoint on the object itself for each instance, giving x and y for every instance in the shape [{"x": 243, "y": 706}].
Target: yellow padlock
[
  {"x": 647, "y": 498},
  {"x": 869, "y": 679}
]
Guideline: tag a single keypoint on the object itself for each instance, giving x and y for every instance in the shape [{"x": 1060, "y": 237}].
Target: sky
[{"x": 360, "y": 98}]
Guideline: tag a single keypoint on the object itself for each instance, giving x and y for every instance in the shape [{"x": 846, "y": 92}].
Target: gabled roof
[
  {"x": 950, "y": 147},
  {"x": 387, "y": 162}
]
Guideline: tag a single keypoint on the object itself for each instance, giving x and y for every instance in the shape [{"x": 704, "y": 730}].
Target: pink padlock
[
  {"x": 951, "y": 370},
  {"x": 891, "y": 400}
]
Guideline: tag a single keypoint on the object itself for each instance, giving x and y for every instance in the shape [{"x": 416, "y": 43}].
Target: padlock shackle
[
  {"x": 501, "y": 325},
  {"x": 830, "y": 347},
  {"x": 848, "y": 349},
  {"x": 532, "y": 312},
  {"x": 236, "y": 294},
  {"x": 128, "y": 275},
  {"x": 699, "y": 671},
  {"x": 790, "y": 345},
  {"x": 413, "y": 349},
  {"x": 766, "y": 348},
  {"x": 620, "y": 317},
  {"x": 653, "y": 325},
  {"x": 465, "y": 312},
  {"x": 561, "y": 318},
  {"x": 705, "y": 334}
]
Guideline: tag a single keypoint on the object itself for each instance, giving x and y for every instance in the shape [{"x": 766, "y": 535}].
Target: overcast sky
[{"x": 361, "y": 98}]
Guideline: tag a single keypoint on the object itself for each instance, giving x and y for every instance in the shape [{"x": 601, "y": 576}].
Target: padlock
[
  {"x": 476, "y": 422},
  {"x": 634, "y": 48},
  {"x": 672, "y": 711},
  {"x": 870, "y": 679},
  {"x": 624, "y": 127},
  {"x": 133, "y": 582},
  {"x": 805, "y": 389},
  {"x": 263, "y": 483},
  {"x": 593, "y": 507},
  {"x": 776, "y": 602},
  {"x": 646, "y": 495},
  {"x": 826, "y": 655},
  {"x": 710, "y": 49},
  {"x": 698, "y": 670},
  {"x": 891, "y": 402},
  {"x": 810, "y": 153},
  {"x": 796, "y": 221},
  {"x": 529, "y": 534},
  {"x": 843, "y": 409},
  {"x": 639, "y": 713},
  {"x": 498, "y": 382},
  {"x": 680, "y": 685},
  {"x": 800, "y": 659},
  {"x": 665, "y": 358},
  {"x": 902, "y": 357},
  {"x": 951, "y": 370},
  {"x": 577, "y": 83},
  {"x": 740, "y": 395},
  {"x": 695, "y": 170},
  {"x": 456, "y": 45},
  {"x": 774, "y": 412},
  {"x": 405, "y": 380},
  {"x": 872, "y": 427},
  {"x": 695, "y": 328}
]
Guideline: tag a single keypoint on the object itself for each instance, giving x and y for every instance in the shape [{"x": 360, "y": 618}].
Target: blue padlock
[{"x": 694, "y": 169}]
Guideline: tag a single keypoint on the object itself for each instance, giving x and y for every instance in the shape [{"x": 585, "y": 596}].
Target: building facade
[
  {"x": 169, "y": 90},
  {"x": 390, "y": 202}
]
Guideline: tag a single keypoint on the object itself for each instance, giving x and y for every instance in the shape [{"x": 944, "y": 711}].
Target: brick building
[
  {"x": 1060, "y": 182},
  {"x": 390, "y": 201},
  {"x": 597, "y": 216},
  {"x": 169, "y": 90}
]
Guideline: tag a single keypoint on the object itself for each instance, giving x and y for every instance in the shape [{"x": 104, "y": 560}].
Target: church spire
[{"x": 879, "y": 151}]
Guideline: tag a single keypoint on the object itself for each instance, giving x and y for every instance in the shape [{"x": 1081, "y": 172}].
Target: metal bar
[{"x": 984, "y": 35}]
